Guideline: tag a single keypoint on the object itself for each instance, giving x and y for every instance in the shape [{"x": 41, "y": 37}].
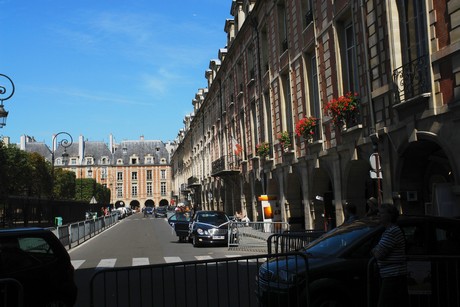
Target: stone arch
[
  {"x": 135, "y": 205},
  {"x": 323, "y": 193},
  {"x": 295, "y": 214},
  {"x": 424, "y": 170},
  {"x": 119, "y": 203},
  {"x": 358, "y": 184},
  {"x": 149, "y": 203},
  {"x": 163, "y": 202}
]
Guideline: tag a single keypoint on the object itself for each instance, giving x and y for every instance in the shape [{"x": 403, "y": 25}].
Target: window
[
  {"x": 119, "y": 190},
  {"x": 134, "y": 175},
  {"x": 163, "y": 174},
  {"x": 149, "y": 160},
  {"x": 133, "y": 160},
  {"x": 307, "y": 12},
  {"x": 149, "y": 174},
  {"x": 282, "y": 26},
  {"x": 287, "y": 109},
  {"x": 264, "y": 51},
  {"x": 163, "y": 188},
  {"x": 89, "y": 161},
  {"x": 120, "y": 176},
  {"x": 350, "y": 66},
  {"x": 104, "y": 173},
  {"x": 414, "y": 38},
  {"x": 120, "y": 161},
  {"x": 149, "y": 189},
  {"x": 73, "y": 161},
  {"x": 134, "y": 190}
]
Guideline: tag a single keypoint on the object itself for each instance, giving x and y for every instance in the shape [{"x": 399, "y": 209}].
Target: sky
[{"x": 101, "y": 67}]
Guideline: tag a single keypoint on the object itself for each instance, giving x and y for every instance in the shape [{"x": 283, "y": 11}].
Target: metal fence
[
  {"x": 253, "y": 236},
  {"x": 289, "y": 241},
  {"x": 217, "y": 282},
  {"x": 74, "y": 234}
]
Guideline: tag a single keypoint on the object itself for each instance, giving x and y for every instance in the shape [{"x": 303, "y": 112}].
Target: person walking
[{"x": 391, "y": 260}]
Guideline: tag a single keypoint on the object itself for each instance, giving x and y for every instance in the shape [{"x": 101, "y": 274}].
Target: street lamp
[
  {"x": 5, "y": 93},
  {"x": 65, "y": 143}
]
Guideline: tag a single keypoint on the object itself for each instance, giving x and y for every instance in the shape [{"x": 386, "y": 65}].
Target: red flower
[
  {"x": 341, "y": 107},
  {"x": 305, "y": 127}
]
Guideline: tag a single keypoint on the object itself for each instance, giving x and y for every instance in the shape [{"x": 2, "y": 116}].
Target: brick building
[
  {"x": 286, "y": 60},
  {"x": 137, "y": 172}
]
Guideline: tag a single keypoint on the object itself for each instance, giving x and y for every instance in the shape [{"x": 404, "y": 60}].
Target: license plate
[{"x": 218, "y": 237}]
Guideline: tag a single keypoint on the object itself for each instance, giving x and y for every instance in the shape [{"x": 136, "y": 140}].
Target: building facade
[
  {"x": 137, "y": 172},
  {"x": 390, "y": 70}
]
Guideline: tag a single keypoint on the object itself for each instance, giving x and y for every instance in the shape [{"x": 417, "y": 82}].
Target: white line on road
[
  {"x": 106, "y": 263},
  {"x": 141, "y": 261},
  {"x": 77, "y": 263},
  {"x": 172, "y": 259},
  {"x": 207, "y": 257}
]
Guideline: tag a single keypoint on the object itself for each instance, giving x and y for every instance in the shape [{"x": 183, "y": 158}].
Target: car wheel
[
  {"x": 195, "y": 241},
  {"x": 329, "y": 299}
]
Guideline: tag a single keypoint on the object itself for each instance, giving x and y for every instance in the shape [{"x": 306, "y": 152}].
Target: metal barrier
[
  {"x": 291, "y": 241},
  {"x": 253, "y": 236},
  {"x": 74, "y": 234},
  {"x": 218, "y": 282},
  {"x": 433, "y": 281},
  {"x": 11, "y": 292}
]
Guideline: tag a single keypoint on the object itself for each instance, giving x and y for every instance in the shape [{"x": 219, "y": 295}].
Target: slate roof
[{"x": 141, "y": 149}]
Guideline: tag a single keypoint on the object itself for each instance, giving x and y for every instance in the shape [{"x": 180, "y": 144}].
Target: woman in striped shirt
[{"x": 391, "y": 259}]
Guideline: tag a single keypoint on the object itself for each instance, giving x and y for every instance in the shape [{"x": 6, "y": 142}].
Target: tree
[{"x": 64, "y": 184}]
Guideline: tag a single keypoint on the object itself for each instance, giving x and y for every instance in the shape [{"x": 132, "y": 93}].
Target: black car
[
  {"x": 161, "y": 211},
  {"x": 39, "y": 262},
  {"x": 209, "y": 227},
  {"x": 338, "y": 263}
]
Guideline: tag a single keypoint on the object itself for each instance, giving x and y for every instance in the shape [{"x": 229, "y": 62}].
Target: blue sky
[{"x": 101, "y": 67}]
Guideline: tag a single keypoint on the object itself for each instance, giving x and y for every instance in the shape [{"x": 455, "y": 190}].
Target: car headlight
[
  {"x": 201, "y": 231},
  {"x": 286, "y": 276}
]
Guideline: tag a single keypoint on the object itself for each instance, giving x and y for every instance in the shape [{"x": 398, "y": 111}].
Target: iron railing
[
  {"x": 412, "y": 79},
  {"x": 225, "y": 164}
]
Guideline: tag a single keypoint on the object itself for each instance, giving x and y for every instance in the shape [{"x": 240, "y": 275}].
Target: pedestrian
[
  {"x": 372, "y": 207},
  {"x": 391, "y": 260},
  {"x": 350, "y": 213}
]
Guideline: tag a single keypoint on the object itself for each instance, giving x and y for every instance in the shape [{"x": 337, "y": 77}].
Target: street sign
[
  {"x": 93, "y": 201},
  {"x": 375, "y": 176},
  {"x": 374, "y": 160}
]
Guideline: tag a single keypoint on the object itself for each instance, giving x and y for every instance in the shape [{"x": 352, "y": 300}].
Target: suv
[
  {"x": 39, "y": 262},
  {"x": 337, "y": 264}
]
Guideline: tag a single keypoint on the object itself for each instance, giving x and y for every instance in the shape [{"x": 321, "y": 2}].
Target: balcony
[
  {"x": 193, "y": 182},
  {"x": 412, "y": 80},
  {"x": 226, "y": 166}
]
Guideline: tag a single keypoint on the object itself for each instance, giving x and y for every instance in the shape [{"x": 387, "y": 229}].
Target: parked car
[
  {"x": 338, "y": 263},
  {"x": 39, "y": 262},
  {"x": 148, "y": 210},
  {"x": 209, "y": 227},
  {"x": 161, "y": 211},
  {"x": 121, "y": 212}
]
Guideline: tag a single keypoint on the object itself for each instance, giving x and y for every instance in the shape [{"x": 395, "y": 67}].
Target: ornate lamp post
[
  {"x": 6, "y": 91},
  {"x": 65, "y": 142}
]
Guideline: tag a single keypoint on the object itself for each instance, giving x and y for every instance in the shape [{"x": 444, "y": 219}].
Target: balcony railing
[
  {"x": 412, "y": 79},
  {"x": 226, "y": 165}
]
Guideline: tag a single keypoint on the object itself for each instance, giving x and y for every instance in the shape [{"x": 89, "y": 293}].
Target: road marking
[
  {"x": 141, "y": 261},
  {"x": 207, "y": 257},
  {"x": 106, "y": 263},
  {"x": 77, "y": 263},
  {"x": 172, "y": 259}
]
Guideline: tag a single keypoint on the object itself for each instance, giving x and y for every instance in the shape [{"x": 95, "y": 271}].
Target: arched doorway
[
  {"x": 425, "y": 180},
  {"x": 164, "y": 202},
  {"x": 149, "y": 203},
  {"x": 295, "y": 214},
  {"x": 135, "y": 205},
  {"x": 323, "y": 209},
  {"x": 119, "y": 204}
]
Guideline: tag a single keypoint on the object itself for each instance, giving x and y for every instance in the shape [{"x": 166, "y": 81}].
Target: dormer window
[
  {"x": 125, "y": 150},
  {"x": 120, "y": 161},
  {"x": 134, "y": 161},
  {"x": 89, "y": 160}
]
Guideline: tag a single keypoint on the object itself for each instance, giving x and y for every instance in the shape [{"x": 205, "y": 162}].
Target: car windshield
[
  {"x": 213, "y": 218},
  {"x": 337, "y": 239}
]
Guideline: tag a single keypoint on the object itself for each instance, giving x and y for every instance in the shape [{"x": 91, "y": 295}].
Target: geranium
[
  {"x": 342, "y": 108},
  {"x": 263, "y": 149},
  {"x": 306, "y": 127},
  {"x": 284, "y": 139}
]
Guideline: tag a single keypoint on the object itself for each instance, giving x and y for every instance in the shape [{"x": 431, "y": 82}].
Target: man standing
[{"x": 391, "y": 259}]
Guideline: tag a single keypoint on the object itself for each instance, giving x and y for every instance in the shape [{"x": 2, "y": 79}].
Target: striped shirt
[{"x": 390, "y": 252}]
